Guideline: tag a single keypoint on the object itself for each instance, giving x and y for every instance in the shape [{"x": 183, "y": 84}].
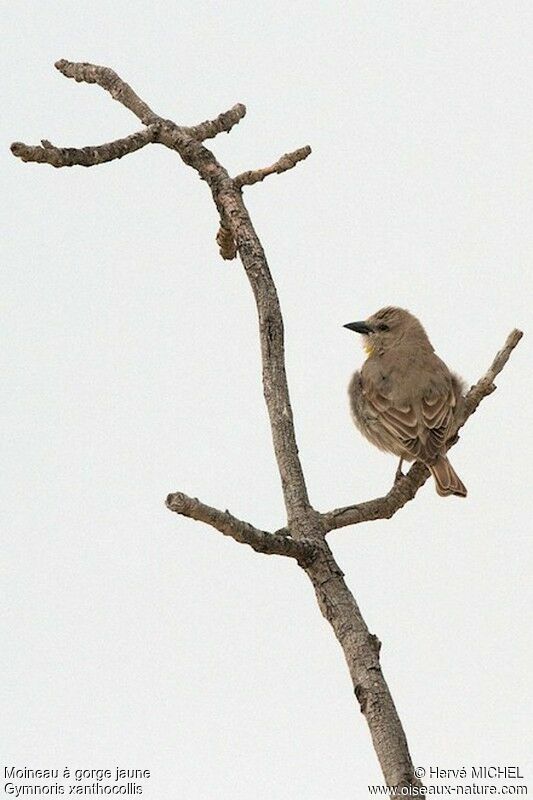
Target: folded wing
[{"x": 420, "y": 427}]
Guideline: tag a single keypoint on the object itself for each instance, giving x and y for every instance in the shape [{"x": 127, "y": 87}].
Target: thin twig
[
  {"x": 287, "y": 161},
  {"x": 110, "y": 81},
  {"x": 485, "y": 384},
  {"x": 84, "y": 156},
  {"x": 243, "y": 532},
  {"x": 222, "y": 124}
]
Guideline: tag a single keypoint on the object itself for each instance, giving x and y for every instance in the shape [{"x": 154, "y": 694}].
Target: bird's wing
[
  {"x": 421, "y": 429},
  {"x": 437, "y": 417},
  {"x": 399, "y": 420}
]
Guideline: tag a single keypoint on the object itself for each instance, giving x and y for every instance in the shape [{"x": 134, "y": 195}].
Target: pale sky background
[{"x": 130, "y": 369}]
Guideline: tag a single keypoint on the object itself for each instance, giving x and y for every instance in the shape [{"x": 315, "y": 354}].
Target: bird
[{"x": 404, "y": 399}]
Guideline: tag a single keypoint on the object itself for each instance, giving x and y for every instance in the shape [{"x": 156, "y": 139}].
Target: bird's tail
[{"x": 446, "y": 479}]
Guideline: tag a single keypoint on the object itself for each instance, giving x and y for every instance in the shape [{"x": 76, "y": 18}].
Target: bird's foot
[{"x": 399, "y": 474}]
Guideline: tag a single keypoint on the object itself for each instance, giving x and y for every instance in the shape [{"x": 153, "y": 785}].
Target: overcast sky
[{"x": 130, "y": 369}]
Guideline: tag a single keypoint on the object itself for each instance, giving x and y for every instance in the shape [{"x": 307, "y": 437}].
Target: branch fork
[{"x": 262, "y": 542}]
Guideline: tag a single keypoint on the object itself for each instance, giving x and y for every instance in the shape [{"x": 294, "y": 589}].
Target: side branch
[
  {"x": 485, "y": 385},
  {"x": 406, "y": 488},
  {"x": 84, "y": 156},
  {"x": 261, "y": 541},
  {"x": 222, "y": 124},
  {"x": 110, "y": 81},
  {"x": 123, "y": 93},
  {"x": 225, "y": 238},
  {"x": 287, "y": 161}
]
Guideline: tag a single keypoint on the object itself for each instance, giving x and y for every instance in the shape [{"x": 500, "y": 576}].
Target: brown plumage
[{"x": 404, "y": 399}]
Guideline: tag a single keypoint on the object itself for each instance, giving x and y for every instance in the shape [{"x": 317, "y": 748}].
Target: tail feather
[{"x": 446, "y": 479}]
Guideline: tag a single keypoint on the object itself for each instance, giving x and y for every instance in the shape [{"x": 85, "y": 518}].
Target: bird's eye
[{"x": 383, "y": 327}]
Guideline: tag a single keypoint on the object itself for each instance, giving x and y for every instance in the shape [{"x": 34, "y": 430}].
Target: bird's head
[{"x": 387, "y": 328}]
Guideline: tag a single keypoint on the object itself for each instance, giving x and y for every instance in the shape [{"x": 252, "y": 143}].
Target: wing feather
[
  {"x": 399, "y": 422},
  {"x": 437, "y": 417},
  {"x": 421, "y": 428}
]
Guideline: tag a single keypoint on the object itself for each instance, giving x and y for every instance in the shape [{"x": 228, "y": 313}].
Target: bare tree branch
[
  {"x": 225, "y": 240},
  {"x": 235, "y": 218},
  {"x": 110, "y": 81},
  {"x": 406, "y": 488},
  {"x": 85, "y": 156},
  {"x": 243, "y": 532},
  {"x": 287, "y": 161},
  {"x": 485, "y": 384},
  {"x": 361, "y": 651},
  {"x": 222, "y": 124}
]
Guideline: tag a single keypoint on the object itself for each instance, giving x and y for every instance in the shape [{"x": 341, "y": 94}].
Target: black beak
[{"x": 359, "y": 327}]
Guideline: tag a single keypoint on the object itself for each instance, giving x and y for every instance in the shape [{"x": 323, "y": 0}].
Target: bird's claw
[{"x": 399, "y": 474}]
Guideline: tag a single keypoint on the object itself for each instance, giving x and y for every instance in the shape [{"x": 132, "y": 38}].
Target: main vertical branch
[
  {"x": 234, "y": 215},
  {"x": 275, "y": 387},
  {"x": 336, "y": 602}
]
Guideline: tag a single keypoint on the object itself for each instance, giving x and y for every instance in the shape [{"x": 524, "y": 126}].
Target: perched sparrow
[{"x": 405, "y": 399}]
